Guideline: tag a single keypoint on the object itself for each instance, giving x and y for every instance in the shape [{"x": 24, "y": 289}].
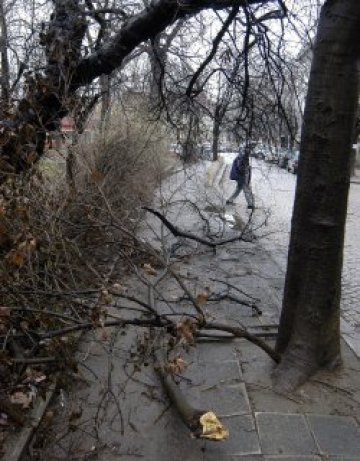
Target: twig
[
  {"x": 157, "y": 322},
  {"x": 45, "y": 312},
  {"x": 235, "y": 288},
  {"x": 35, "y": 360}
]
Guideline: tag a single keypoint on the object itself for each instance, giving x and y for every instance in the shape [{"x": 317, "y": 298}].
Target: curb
[{"x": 16, "y": 443}]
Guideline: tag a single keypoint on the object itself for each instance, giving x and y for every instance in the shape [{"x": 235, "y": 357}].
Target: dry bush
[
  {"x": 57, "y": 242},
  {"x": 126, "y": 160},
  {"x": 49, "y": 233}
]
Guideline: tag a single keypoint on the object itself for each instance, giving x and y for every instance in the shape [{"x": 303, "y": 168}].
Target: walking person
[{"x": 241, "y": 173}]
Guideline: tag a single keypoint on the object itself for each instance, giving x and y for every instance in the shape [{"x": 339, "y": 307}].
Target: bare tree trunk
[
  {"x": 105, "y": 100},
  {"x": 309, "y": 333},
  {"x": 157, "y": 57},
  {"x": 216, "y": 133},
  {"x": 5, "y": 70}
]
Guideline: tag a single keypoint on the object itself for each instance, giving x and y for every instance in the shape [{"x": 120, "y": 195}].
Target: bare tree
[{"x": 309, "y": 334}]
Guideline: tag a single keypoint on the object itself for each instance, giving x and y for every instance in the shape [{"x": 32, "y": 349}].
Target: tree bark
[
  {"x": 157, "y": 58},
  {"x": 216, "y": 132},
  {"x": 105, "y": 81},
  {"x": 5, "y": 69},
  {"x": 309, "y": 333}
]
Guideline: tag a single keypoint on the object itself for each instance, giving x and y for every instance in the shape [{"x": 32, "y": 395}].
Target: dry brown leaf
[
  {"x": 24, "y": 325},
  {"x": 105, "y": 297},
  {"x": 149, "y": 269},
  {"x": 98, "y": 315},
  {"x": 20, "y": 398},
  {"x": 176, "y": 365},
  {"x": 33, "y": 376},
  {"x": 17, "y": 257},
  {"x": 31, "y": 157},
  {"x": 202, "y": 298},
  {"x": 118, "y": 288},
  {"x": 186, "y": 330}
]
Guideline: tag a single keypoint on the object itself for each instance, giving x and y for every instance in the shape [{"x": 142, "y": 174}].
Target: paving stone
[
  {"x": 342, "y": 458},
  {"x": 215, "y": 457},
  {"x": 243, "y": 440},
  {"x": 336, "y": 435},
  {"x": 292, "y": 458},
  {"x": 213, "y": 373},
  {"x": 172, "y": 440},
  {"x": 284, "y": 434},
  {"x": 224, "y": 400},
  {"x": 211, "y": 351},
  {"x": 353, "y": 341}
]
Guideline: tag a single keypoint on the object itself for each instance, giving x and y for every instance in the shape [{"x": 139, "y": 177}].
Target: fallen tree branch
[
  {"x": 180, "y": 233},
  {"x": 156, "y": 322},
  {"x": 230, "y": 285},
  {"x": 242, "y": 333},
  {"x": 202, "y": 423},
  {"x": 221, "y": 297}
]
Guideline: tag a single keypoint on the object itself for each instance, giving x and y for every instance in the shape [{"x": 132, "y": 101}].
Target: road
[{"x": 274, "y": 191}]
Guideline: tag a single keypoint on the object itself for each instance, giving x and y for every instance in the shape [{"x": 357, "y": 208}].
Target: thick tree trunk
[{"x": 309, "y": 333}]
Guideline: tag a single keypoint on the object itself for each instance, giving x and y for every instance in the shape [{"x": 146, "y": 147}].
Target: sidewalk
[{"x": 117, "y": 410}]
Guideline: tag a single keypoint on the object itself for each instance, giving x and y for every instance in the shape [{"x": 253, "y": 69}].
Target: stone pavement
[{"x": 117, "y": 409}]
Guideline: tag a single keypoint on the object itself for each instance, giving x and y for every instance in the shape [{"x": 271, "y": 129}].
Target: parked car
[
  {"x": 258, "y": 152},
  {"x": 271, "y": 155},
  {"x": 293, "y": 162}
]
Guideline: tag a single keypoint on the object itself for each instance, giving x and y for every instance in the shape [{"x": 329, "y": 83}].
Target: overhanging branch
[{"x": 141, "y": 27}]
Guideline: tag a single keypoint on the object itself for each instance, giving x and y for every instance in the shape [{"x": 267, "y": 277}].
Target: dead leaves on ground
[
  {"x": 21, "y": 399},
  {"x": 18, "y": 256},
  {"x": 186, "y": 330},
  {"x": 148, "y": 269},
  {"x": 176, "y": 366},
  {"x": 202, "y": 298},
  {"x": 5, "y": 314},
  {"x": 27, "y": 391}
]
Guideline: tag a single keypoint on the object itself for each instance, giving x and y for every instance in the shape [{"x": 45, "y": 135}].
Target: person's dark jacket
[{"x": 238, "y": 168}]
